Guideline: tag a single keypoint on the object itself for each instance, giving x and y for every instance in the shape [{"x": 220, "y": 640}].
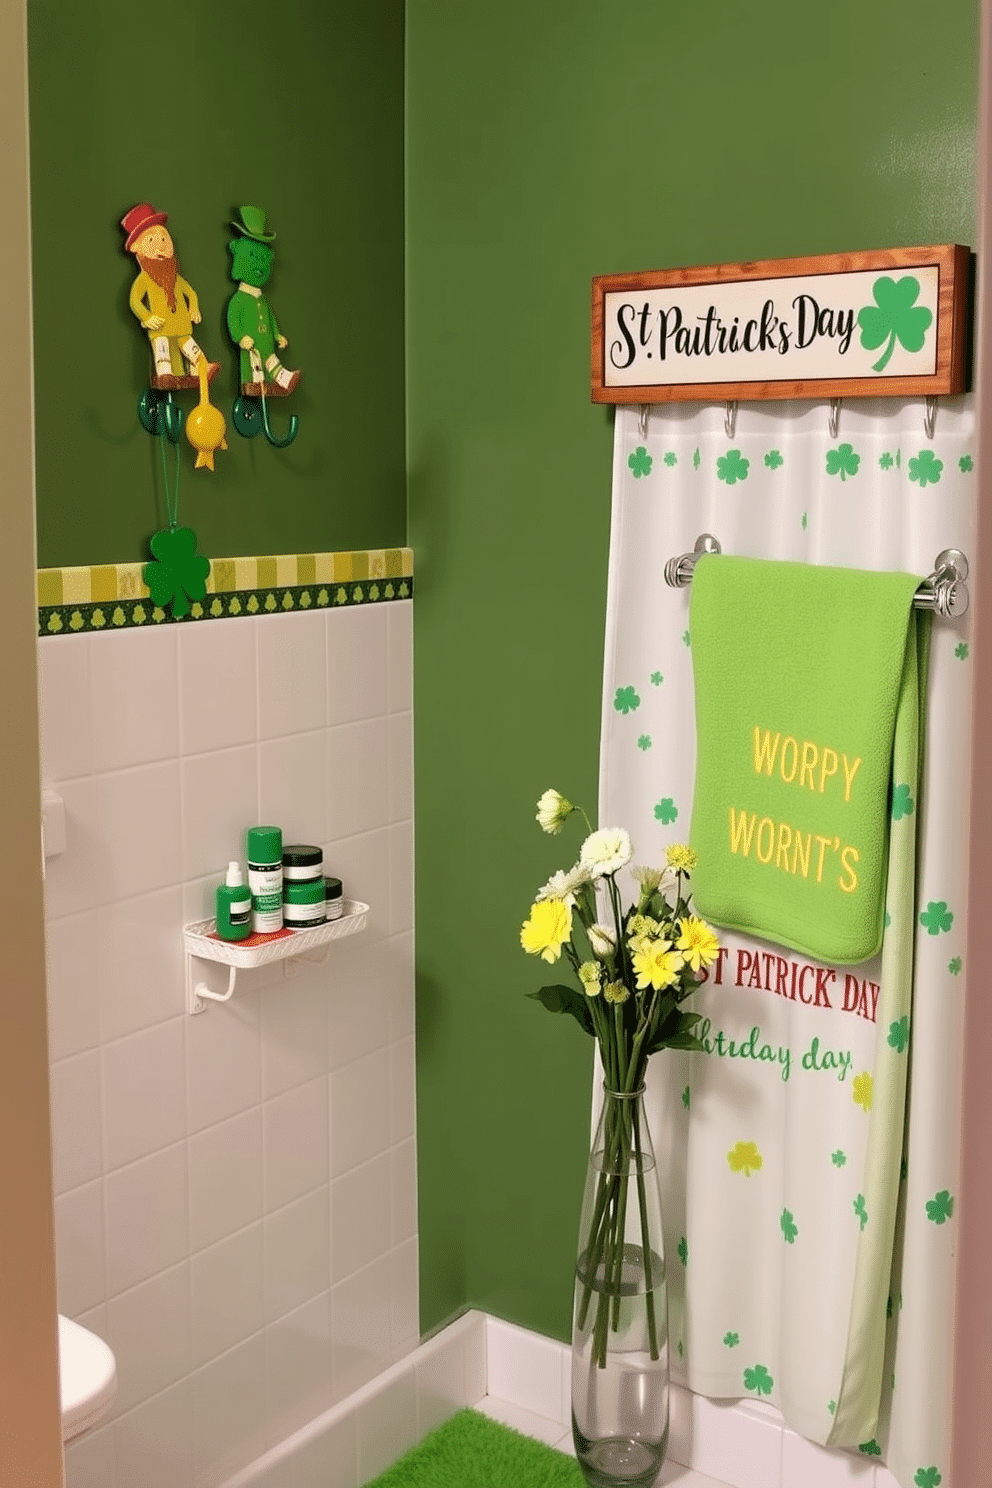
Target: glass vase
[{"x": 620, "y": 1318}]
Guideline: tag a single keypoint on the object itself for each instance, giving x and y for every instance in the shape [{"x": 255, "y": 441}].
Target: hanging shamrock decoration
[{"x": 177, "y": 573}]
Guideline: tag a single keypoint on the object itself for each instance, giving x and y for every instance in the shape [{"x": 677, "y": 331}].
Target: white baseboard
[{"x": 483, "y": 1361}]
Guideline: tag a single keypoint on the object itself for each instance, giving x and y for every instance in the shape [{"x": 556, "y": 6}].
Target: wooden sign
[{"x": 889, "y": 324}]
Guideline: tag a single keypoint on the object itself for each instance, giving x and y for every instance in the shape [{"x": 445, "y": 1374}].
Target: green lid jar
[
  {"x": 334, "y": 903},
  {"x": 301, "y": 863},
  {"x": 303, "y": 903}
]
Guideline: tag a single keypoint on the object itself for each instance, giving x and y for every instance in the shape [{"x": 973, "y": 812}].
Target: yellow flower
[
  {"x": 640, "y": 929},
  {"x": 546, "y": 929},
  {"x": 862, "y": 1092},
  {"x": 616, "y": 992},
  {"x": 656, "y": 964},
  {"x": 698, "y": 944},
  {"x": 589, "y": 977},
  {"x": 681, "y": 858}
]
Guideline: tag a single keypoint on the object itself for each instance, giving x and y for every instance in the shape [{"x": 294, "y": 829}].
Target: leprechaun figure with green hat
[{"x": 250, "y": 321}]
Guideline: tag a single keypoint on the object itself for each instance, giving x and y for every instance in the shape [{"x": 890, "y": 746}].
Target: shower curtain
[{"x": 763, "y": 1200}]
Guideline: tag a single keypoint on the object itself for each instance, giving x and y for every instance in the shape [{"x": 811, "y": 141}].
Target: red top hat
[{"x": 138, "y": 220}]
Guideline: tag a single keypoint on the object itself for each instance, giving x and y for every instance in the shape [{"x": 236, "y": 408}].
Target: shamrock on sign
[
  {"x": 843, "y": 461},
  {"x": 177, "y": 573},
  {"x": 895, "y": 316}
]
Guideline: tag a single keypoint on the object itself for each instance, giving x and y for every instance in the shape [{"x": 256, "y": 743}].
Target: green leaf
[
  {"x": 559, "y": 999},
  {"x": 895, "y": 316}
]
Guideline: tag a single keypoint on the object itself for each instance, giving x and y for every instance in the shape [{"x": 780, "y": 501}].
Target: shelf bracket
[{"x": 195, "y": 994}]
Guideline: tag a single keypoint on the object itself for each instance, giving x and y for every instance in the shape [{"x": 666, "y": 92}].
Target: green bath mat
[{"x": 471, "y": 1451}]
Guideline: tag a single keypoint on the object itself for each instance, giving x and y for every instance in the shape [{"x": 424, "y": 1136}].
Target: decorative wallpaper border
[{"x": 115, "y": 597}]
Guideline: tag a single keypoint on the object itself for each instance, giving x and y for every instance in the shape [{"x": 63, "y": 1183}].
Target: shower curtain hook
[
  {"x": 834, "y": 417},
  {"x": 930, "y": 416},
  {"x": 730, "y": 419},
  {"x": 642, "y": 421}
]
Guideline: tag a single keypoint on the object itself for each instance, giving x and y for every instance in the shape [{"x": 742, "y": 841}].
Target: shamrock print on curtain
[{"x": 762, "y": 1140}]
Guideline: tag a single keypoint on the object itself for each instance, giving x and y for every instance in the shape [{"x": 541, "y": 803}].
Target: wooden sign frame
[{"x": 948, "y": 375}]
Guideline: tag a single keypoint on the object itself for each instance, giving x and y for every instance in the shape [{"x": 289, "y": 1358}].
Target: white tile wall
[{"x": 236, "y": 1192}]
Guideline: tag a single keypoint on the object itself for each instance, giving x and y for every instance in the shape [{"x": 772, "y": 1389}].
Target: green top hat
[{"x": 252, "y": 224}]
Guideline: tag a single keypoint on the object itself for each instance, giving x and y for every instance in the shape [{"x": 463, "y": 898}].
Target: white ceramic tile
[
  {"x": 72, "y": 879},
  {"x": 363, "y": 865},
  {"x": 805, "y": 1465},
  {"x": 229, "y": 1410},
  {"x": 401, "y": 877},
  {"x": 400, "y": 640},
  {"x": 226, "y": 1283},
  {"x": 79, "y": 1249},
  {"x": 360, "y": 1216},
  {"x": 387, "y": 1427},
  {"x": 153, "y": 1444},
  {"x": 89, "y": 1460},
  {"x": 294, "y": 1029},
  {"x": 292, "y": 786},
  {"x": 295, "y": 1135},
  {"x": 402, "y": 1085},
  {"x": 220, "y": 803},
  {"x": 148, "y": 1329},
  {"x": 524, "y": 1369},
  {"x": 884, "y": 1478},
  {"x": 223, "y": 1059},
  {"x": 730, "y": 1445},
  {"x": 442, "y": 1381},
  {"x": 359, "y": 1109},
  {"x": 330, "y": 1460},
  {"x": 680, "y": 1423},
  {"x": 291, "y": 674},
  {"x": 519, "y": 1418},
  {"x": 139, "y": 962},
  {"x": 357, "y": 663},
  {"x": 476, "y": 1361},
  {"x": 400, "y": 766},
  {"x": 138, "y": 815},
  {"x": 146, "y": 1218},
  {"x": 217, "y": 686},
  {"x": 225, "y": 1178},
  {"x": 64, "y": 708},
  {"x": 73, "y": 1004},
  {"x": 396, "y": 970},
  {"x": 297, "y": 1368},
  {"x": 358, "y": 782},
  {"x": 77, "y": 1150},
  {"x": 404, "y": 1300},
  {"x": 134, "y": 697},
  {"x": 360, "y": 1327},
  {"x": 297, "y": 1260},
  {"x": 363, "y": 981},
  {"x": 144, "y": 1092},
  {"x": 404, "y": 1184}
]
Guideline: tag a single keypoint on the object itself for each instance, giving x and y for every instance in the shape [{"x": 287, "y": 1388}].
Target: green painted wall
[
  {"x": 200, "y": 106},
  {"x": 546, "y": 144}
]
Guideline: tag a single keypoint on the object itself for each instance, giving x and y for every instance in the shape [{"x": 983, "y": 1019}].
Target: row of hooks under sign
[{"x": 730, "y": 418}]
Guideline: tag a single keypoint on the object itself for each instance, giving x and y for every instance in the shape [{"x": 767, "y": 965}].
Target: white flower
[
  {"x": 606, "y": 851},
  {"x": 651, "y": 878},
  {"x": 602, "y": 940},
  {"x": 552, "y": 811},
  {"x": 564, "y": 883}
]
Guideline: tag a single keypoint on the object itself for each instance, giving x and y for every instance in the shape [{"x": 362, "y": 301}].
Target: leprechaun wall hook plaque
[
  {"x": 252, "y": 326},
  {"x": 167, "y": 308}
]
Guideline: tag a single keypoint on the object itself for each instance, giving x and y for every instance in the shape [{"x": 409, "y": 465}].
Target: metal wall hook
[
  {"x": 930, "y": 416},
  {"x": 730, "y": 419},
  {"x": 834, "y": 417},
  {"x": 678, "y": 570},
  {"x": 642, "y": 421}
]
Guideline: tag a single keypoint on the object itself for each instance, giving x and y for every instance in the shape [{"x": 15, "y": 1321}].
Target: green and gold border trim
[{"x": 114, "y": 596}]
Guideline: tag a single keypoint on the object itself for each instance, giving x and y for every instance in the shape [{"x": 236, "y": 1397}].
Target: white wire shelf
[{"x": 290, "y": 946}]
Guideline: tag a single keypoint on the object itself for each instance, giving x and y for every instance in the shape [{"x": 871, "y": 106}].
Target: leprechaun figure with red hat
[
  {"x": 251, "y": 323},
  {"x": 163, "y": 301}
]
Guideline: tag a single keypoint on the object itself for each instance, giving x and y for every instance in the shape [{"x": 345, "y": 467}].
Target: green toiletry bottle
[{"x": 233, "y": 906}]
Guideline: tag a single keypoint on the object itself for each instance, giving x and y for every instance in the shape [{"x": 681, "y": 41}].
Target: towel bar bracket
[{"x": 944, "y": 591}]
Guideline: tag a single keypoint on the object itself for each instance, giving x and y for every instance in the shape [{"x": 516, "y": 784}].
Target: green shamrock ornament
[
  {"x": 895, "y": 316},
  {"x": 177, "y": 573}
]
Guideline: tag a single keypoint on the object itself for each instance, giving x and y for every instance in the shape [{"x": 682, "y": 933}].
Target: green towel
[{"x": 800, "y": 674}]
